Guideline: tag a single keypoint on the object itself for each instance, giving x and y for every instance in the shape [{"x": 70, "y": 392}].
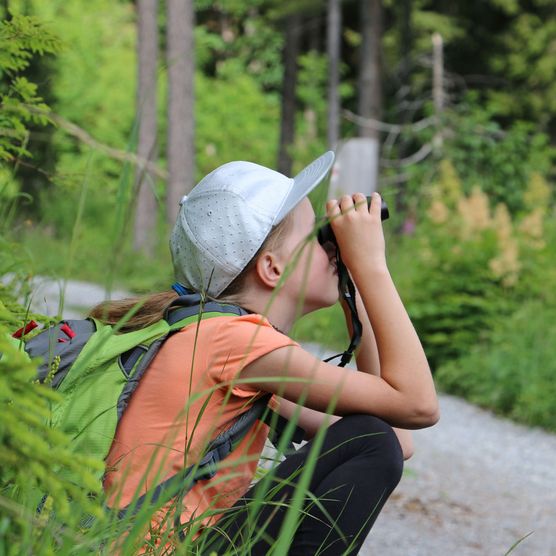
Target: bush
[
  {"x": 32, "y": 452},
  {"x": 470, "y": 265},
  {"x": 513, "y": 373}
]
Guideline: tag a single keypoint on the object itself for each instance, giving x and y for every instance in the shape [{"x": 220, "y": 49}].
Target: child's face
[{"x": 313, "y": 278}]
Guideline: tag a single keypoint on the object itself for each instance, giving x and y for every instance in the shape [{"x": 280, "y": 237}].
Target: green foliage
[
  {"x": 32, "y": 451},
  {"x": 428, "y": 22},
  {"x": 94, "y": 88},
  {"x": 244, "y": 32},
  {"x": 95, "y": 252},
  {"x": 226, "y": 126},
  {"x": 528, "y": 61},
  {"x": 513, "y": 373},
  {"x": 311, "y": 122},
  {"x": 20, "y": 104},
  {"x": 20, "y": 37},
  {"x": 470, "y": 265},
  {"x": 498, "y": 160}
]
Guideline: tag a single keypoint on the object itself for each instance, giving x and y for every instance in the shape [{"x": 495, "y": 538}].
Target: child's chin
[{"x": 333, "y": 299}]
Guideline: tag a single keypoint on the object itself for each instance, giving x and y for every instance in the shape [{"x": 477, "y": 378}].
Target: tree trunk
[
  {"x": 334, "y": 28},
  {"x": 181, "y": 99},
  {"x": 405, "y": 15},
  {"x": 370, "y": 80},
  {"x": 312, "y": 28},
  {"x": 287, "y": 121},
  {"x": 147, "y": 48},
  {"x": 406, "y": 41}
]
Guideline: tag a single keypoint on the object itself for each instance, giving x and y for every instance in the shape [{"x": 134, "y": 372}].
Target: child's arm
[
  {"x": 404, "y": 393},
  {"x": 311, "y": 421},
  {"x": 368, "y": 361}
]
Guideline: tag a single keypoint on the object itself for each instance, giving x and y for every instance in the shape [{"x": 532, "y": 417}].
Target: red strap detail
[
  {"x": 25, "y": 329},
  {"x": 67, "y": 331},
  {"x": 62, "y": 340}
]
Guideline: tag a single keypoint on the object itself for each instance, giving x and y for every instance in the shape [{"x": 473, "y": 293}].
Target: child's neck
[{"x": 279, "y": 311}]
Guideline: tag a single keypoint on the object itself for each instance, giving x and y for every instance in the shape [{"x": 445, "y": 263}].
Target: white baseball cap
[{"x": 227, "y": 216}]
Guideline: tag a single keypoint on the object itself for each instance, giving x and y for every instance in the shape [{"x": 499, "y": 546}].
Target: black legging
[{"x": 359, "y": 465}]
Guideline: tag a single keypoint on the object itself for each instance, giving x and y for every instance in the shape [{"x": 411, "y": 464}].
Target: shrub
[
  {"x": 470, "y": 264},
  {"x": 513, "y": 373},
  {"x": 31, "y": 454}
]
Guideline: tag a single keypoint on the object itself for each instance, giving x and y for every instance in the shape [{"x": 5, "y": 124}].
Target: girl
[{"x": 245, "y": 235}]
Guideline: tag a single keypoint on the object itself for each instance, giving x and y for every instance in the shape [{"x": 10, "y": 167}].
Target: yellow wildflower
[
  {"x": 502, "y": 223},
  {"x": 475, "y": 213},
  {"x": 425, "y": 251},
  {"x": 438, "y": 212},
  {"x": 450, "y": 184},
  {"x": 537, "y": 194},
  {"x": 506, "y": 265},
  {"x": 532, "y": 228}
]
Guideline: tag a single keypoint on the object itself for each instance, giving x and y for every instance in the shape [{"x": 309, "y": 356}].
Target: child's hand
[{"x": 358, "y": 230}]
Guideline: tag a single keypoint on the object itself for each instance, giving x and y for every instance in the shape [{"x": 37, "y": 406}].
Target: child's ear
[{"x": 269, "y": 269}]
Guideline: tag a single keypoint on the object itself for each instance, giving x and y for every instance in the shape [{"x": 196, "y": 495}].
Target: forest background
[{"x": 96, "y": 145}]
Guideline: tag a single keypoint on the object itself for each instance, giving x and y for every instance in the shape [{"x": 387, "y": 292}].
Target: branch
[
  {"x": 80, "y": 134},
  {"x": 383, "y": 126},
  {"x": 393, "y": 180},
  {"x": 421, "y": 154}
]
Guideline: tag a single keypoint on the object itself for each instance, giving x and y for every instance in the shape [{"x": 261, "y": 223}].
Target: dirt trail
[{"x": 475, "y": 486}]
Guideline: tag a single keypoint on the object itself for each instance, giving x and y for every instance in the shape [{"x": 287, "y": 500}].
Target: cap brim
[{"x": 306, "y": 181}]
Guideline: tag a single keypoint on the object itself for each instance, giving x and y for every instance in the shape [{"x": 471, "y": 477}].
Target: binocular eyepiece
[{"x": 326, "y": 235}]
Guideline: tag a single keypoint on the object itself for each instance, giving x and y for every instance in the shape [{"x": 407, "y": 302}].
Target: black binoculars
[{"x": 326, "y": 235}]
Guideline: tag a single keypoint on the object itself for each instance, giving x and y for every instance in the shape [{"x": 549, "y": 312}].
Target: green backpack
[{"x": 98, "y": 370}]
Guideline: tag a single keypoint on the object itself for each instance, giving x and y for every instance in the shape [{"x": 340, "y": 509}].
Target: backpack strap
[
  {"x": 180, "y": 309},
  {"x": 132, "y": 356},
  {"x": 188, "y": 305},
  {"x": 183, "y": 481}
]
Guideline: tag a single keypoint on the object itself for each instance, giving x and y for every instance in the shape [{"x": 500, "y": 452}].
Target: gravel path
[
  {"x": 78, "y": 296},
  {"x": 475, "y": 486}
]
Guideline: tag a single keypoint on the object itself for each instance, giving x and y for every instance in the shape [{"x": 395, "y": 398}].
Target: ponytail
[{"x": 151, "y": 309}]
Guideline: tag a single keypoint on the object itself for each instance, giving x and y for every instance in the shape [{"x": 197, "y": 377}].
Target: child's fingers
[
  {"x": 376, "y": 204},
  {"x": 333, "y": 208},
  {"x": 360, "y": 201},
  {"x": 346, "y": 204}
]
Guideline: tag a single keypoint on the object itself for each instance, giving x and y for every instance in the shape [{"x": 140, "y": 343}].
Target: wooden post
[
  {"x": 334, "y": 27},
  {"x": 438, "y": 88},
  {"x": 370, "y": 90}
]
